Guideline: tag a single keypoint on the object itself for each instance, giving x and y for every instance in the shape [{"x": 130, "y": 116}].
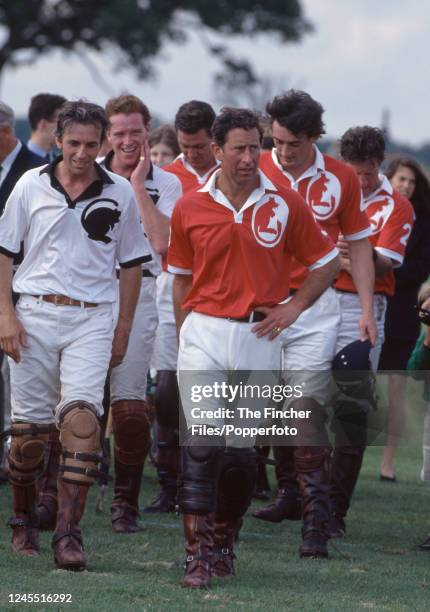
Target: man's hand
[
  {"x": 368, "y": 329},
  {"x": 12, "y": 336},
  {"x": 119, "y": 345},
  {"x": 277, "y": 319},
  {"x": 140, "y": 173},
  {"x": 345, "y": 260}
]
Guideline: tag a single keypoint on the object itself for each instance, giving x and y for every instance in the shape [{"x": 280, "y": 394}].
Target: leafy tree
[{"x": 138, "y": 29}]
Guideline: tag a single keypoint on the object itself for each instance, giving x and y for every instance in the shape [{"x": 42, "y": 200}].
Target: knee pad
[
  {"x": 26, "y": 454},
  {"x": 200, "y": 466},
  {"x": 236, "y": 482},
  {"x": 350, "y": 424},
  {"x": 80, "y": 436},
  {"x": 311, "y": 431},
  {"x": 132, "y": 431},
  {"x": 311, "y": 458},
  {"x": 166, "y": 399}
]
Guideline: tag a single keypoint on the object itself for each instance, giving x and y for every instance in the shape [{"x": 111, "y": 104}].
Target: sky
[{"x": 363, "y": 57}]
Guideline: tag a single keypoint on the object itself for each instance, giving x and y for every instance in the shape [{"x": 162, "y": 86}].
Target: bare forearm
[
  {"x": 383, "y": 265},
  {"x": 316, "y": 283},
  {"x": 181, "y": 286},
  {"x": 155, "y": 223},
  {"x": 129, "y": 289},
  {"x": 6, "y": 304},
  {"x": 363, "y": 272}
]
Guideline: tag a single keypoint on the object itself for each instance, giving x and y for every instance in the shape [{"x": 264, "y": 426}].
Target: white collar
[
  {"x": 318, "y": 165},
  {"x": 9, "y": 159},
  {"x": 200, "y": 178},
  {"x": 384, "y": 185},
  {"x": 217, "y": 195}
]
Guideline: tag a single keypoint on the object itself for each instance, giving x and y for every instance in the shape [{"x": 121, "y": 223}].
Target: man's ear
[
  {"x": 59, "y": 142},
  {"x": 217, "y": 151}
]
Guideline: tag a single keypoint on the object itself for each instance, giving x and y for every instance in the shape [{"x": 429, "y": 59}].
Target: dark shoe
[
  {"x": 284, "y": 507},
  {"x": 198, "y": 531},
  {"x": 337, "y": 528},
  {"x": 125, "y": 519},
  {"x": 67, "y": 540},
  {"x": 165, "y": 502},
  {"x": 425, "y": 545},
  {"x": 69, "y": 552},
  {"x": 314, "y": 545},
  {"x": 387, "y": 478},
  {"x": 25, "y": 536}
]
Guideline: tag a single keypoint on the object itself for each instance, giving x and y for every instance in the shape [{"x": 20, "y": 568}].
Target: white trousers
[
  {"x": 67, "y": 358},
  {"x": 128, "y": 379}
]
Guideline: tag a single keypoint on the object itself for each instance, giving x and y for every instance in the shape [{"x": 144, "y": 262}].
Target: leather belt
[
  {"x": 63, "y": 300},
  {"x": 145, "y": 274},
  {"x": 254, "y": 317}
]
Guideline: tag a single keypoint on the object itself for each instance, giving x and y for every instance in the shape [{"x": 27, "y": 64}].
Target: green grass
[{"x": 377, "y": 566}]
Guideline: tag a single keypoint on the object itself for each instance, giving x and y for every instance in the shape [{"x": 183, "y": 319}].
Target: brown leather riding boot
[
  {"x": 131, "y": 428},
  {"x": 312, "y": 473},
  {"x": 223, "y": 553},
  {"x": 345, "y": 468},
  {"x": 47, "y": 506},
  {"x": 124, "y": 508},
  {"x": 67, "y": 540},
  {"x": 198, "y": 532},
  {"x": 287, "y": 504},
  {"x": 25, "y": 526}
]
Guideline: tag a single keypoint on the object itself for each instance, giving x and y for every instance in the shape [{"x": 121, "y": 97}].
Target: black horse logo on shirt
[{"x": 99, "y": 217}]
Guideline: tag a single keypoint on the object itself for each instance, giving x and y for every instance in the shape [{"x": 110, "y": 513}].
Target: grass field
[{"x": 377, "y": 566}]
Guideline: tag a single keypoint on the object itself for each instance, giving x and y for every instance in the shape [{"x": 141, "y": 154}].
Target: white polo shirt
[
  {"x": 165, "y": 189},
  {"x": 71, "y": 247}
]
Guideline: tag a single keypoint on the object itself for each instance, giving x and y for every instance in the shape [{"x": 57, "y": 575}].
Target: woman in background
[
  {"x": 402, "y": 324},
  {"x": 163, "y": 145}
]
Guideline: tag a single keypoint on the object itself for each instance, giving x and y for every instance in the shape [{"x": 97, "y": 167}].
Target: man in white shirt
[{"x": 76, "y": 221}]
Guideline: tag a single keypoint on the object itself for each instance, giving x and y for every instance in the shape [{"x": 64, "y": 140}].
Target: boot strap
[
  {"x": 93, "y": 457},
  {"x": 14, "y": 521},
  {"x": 64, "y": 534},
  {"x": 78, "y": 470},
  {"x": 190, "y": 558}
]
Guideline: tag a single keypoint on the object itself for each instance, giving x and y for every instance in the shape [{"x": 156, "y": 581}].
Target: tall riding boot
[
  {"x": 132, "y": 441},
  {"x": 67, "y": 540},
  {"x": 167, "y": 470},
  {"x": 345, "y": 468},
  {"x": 287, "y": 504},
  {"x": 25, "y": 524},
  {"x": 47, "y": 505},
  {"x": 224, "y": 537},
  {"x": 312, "y": 473},
  {"x": 198, "y": 531}
]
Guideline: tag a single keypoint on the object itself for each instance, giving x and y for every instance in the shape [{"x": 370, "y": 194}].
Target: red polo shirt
[
  {"x": 241, "y": 260},
  {"x": 391, "y": 218},
  {"x": 332, "y": 192}
]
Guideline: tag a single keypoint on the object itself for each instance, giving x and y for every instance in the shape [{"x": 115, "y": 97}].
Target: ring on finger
[{"x": 276, "y": 330}]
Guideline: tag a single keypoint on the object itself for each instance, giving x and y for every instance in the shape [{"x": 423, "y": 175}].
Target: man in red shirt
[
  {"x": 193, "y": 123},
  {"x": 332, "y": 192},
  {"x": 231, "y": 250},
  {"x": 391, "y": 218}
]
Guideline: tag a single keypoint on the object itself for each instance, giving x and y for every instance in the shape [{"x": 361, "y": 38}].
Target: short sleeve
[
  {"x": 180, "y": 254},
  {"x": 14, "y": 222},
  {"x": 132, "y": 246}
]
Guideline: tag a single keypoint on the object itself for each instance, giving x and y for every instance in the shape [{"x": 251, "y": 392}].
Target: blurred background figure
[
  {"x": 163, "y": 145},
  {"x": 42, "y": 116},
  {"x": 402, "y": 324}
]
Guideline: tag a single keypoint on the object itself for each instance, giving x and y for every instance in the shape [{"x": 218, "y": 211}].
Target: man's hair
[
  {"x": 44, "y": 106},
  {"x": 363, "y": 144},
  {"x": 194, "y": 116},
  {"x": 7, "y": 116},
  {"x": 127, "y": 104},
  {"x": 420, "y": 198},
  {"x": 166, "y": 135},
  {"x": 298, "y": 112},
  {"x": 81, "y": 112},
  {"x": 233, "y": 118}
]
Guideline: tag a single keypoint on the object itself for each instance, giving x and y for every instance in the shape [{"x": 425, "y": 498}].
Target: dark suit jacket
[
  {"x": 25, "y": 160},
  {"x": 402, "y": 322}
]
